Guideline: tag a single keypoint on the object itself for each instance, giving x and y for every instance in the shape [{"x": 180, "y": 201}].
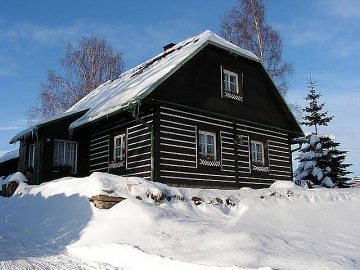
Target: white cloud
[
  {"x": 303, "y": 31},
  {"x": 343, "y": 8},
  {"x": 7, "y": 67}
]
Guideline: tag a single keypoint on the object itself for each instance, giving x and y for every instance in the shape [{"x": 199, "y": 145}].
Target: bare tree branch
[
  {"x": 84, "y": 68},
  {"x": 245, "y": 26}
]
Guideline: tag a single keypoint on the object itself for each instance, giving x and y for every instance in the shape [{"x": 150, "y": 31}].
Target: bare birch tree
[
  {"x": 83, "y": 69},
  {"x": 245, "y": 26}
]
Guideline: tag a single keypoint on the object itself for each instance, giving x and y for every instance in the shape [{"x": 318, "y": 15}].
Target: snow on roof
[
  {"x": 137, "y": 82},
  {"x": 12, "y": 154},
  {"x": 33, "y": 128}
]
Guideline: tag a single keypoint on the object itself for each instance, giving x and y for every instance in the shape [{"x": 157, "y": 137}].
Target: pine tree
[
  {"x": 320, "y": 161},
  {"x": 334, "y": 159},
  {"x": 315, "y": 117}
]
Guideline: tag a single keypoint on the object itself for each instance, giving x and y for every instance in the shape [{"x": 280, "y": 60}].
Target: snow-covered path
[{"x": 23, "y": 251}]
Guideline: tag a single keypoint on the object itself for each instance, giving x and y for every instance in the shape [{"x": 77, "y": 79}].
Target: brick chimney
[{"x": 168, "y": 46}]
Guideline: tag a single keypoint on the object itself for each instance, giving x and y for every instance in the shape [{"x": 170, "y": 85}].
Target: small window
[
  {"x": 31, "y": 160},
  {"x": 230, "y": 82},
  {"x": 232, "y": 85},
  {"x": 257, "y": 153},
  {"x": 119, "y": 147},
  {"x": 65, "y": 156},
  {"x": 207, "y": 146}
]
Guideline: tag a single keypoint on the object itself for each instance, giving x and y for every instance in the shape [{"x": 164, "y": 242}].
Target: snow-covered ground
[{"x": 54, "y": 226}]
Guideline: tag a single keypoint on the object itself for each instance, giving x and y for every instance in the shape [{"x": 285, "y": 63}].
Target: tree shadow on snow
[{"x": 36, "y": 226}]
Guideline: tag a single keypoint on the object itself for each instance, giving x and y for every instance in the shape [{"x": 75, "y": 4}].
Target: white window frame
[
  {"x": 122, "y": 147},
  {"x": 205, "y": 133},
  {"x": 255, "y": 153},
  {"x": 226, "y": 81},
  {"x": 31, "y": 160},
  {"x": 61, "y": 160}
]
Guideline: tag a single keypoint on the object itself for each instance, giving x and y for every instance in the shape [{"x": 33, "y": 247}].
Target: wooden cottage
[
  {"x": 204, "y": 112},
  {"x": 9, "y": 162}
]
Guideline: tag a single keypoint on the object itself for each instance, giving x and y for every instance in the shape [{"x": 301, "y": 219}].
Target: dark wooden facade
[
  {"x": 137, "y": 161},
  {"x": 42, "y": 137},
  {"x": 161, "y": 133},
  {"x": 9, "y": 166}
]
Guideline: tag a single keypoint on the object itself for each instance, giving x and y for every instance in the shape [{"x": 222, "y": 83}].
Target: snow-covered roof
[
  {"x": 32, "y": 129},
  {"x": 12, "y": 154},
  {"x": 136, "y": 83}
]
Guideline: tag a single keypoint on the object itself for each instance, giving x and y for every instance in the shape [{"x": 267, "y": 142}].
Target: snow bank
[
  {"x": 17, "y": 177},
  {"x": 161, "y": 227}
]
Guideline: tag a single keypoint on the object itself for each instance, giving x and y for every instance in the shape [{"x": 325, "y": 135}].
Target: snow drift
[{"x": 162, "y": 227}]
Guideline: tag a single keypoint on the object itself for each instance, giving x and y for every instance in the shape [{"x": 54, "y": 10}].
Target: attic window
[{"x": 232, "y": 84}]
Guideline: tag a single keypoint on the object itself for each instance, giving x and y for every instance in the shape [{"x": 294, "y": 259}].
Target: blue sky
[{"x": 318, "y": 35}]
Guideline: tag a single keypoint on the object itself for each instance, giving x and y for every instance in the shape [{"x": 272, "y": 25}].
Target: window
[
  {"x": 65, "y": 155},
  {"x": 31, "y": 160},
  {"x": 230, "y": 82},
  {"x": 207, "y": 146},
  {"x": 119, "y": 147},
  {"x": 257, "y": 153},
  {"x": 232, "y": 85}
]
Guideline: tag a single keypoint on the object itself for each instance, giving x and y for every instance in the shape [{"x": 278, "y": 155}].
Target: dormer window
[{"x": 232, "y": 84}]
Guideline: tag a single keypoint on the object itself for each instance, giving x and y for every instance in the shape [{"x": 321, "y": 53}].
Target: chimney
[{"x": 168, "y": 46}]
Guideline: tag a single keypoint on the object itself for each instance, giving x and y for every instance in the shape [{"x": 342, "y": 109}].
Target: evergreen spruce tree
[
  {"x": 333, "y": 160},
  {"x": 315, "y": 117},
  {"x": 320, "y": 161}
]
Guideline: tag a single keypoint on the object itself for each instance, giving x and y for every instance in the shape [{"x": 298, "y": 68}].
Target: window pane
[
  {"x": 202, "y": 138},
  {"x": 210, "y": 139},
  {"x": 119, "y": 147},
  {"x": 257, "y": 151},
  {"x": 207, "y": 146},
  {"x": 210, "y": 149},
  {"x": 31, "y": 161},
  {"x": 65, "y": 154},
  {"x": 230, "y": 81}
]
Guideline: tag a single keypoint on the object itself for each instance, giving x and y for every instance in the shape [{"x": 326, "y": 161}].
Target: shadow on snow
[{"x": 36, "y": 226}]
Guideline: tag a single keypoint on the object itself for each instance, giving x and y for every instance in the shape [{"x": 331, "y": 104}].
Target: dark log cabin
[
  {"x": 9, "y": 162},
  {"x": 202, "y": 113}
]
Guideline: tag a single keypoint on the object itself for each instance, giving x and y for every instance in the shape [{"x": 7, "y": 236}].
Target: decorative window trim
[
  {"x": 260, "y": 168},
  {"x": 233, "y": 96},
  {"x": 116, "y": 165},
  {"x": 210, "y": 163},
  {"x": 62, "y": 156}
]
